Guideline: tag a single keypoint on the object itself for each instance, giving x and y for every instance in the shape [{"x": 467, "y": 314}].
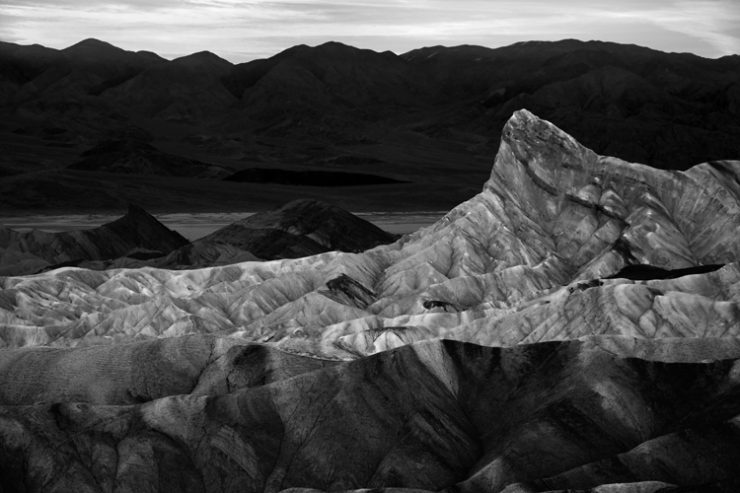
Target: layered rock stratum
[{"x": 575, "y": 326}]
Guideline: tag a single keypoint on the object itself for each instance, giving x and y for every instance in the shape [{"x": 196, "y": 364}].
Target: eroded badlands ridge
[
  {"x": 375, "y": 370},
  {"x": 525, "y": 260},
  {"x": 432, "y": 415}
]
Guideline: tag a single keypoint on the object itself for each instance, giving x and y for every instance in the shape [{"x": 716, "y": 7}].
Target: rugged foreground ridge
[
  {"x": 575, "y": 326},
  {"x": 229, "y": 416}
]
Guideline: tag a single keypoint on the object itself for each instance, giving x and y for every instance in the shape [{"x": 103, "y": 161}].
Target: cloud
[
  {"x": 715, "y": 22},
  {"x": 239, "y": 29}
]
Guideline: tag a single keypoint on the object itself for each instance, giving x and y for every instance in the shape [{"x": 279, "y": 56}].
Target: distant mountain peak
[
  {"x": 328, "y": 49},
  {"x": 203, "y": 59},
  {"x": 92, "y": 44},
  {"x": 336, "y": 45}
]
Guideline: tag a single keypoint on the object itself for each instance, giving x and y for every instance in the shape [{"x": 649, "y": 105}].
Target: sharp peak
[
  {"x": 137, "y": 211},
  {"x": 530, "y": 139},
  {"x": 523, "y": 121},
  {"x": 533, "y": 139}
]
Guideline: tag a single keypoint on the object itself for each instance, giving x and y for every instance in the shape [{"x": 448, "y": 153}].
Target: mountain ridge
[
  {"x": 341, "y": 108},
  {"x": 498, "y": 350},
  {"x": 516, "y": 257}
]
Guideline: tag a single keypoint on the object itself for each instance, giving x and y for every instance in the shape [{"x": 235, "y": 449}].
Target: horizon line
[{"x": 172, "y": 57}]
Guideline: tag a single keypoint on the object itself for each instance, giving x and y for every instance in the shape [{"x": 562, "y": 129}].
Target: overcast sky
[{"x": 241, "y": 30}]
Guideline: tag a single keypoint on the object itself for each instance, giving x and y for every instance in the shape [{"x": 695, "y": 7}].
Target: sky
[{"x": 242, "y": 30}]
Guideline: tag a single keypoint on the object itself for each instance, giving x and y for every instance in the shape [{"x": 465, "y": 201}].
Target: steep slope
[
  {"x": 527, "y": 259},
  {"x": 136, "y": 233}
]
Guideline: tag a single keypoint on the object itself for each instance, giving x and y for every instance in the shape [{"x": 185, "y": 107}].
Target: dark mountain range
[{"x": 429, "y": 117}]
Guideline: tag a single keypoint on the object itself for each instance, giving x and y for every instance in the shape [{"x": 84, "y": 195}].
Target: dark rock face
[
  {"x": 645, "y": 272},
  {"x": 300, "y": 228},
  {"x": 349, "y": 292}
]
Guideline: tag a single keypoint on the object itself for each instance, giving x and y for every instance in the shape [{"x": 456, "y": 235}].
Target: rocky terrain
[
  {"x": 573, "y": 327},
  {"x": 95, "y": 127},
  {"x": 299, "y": 228},
  {"x": 137, "y": 234},
  {"x": 231, "y": 416}
]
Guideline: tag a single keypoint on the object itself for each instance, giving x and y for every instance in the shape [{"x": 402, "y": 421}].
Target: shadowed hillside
[
  {"x": 429, "y": 118},
  {"x": 430, "y": 416}
]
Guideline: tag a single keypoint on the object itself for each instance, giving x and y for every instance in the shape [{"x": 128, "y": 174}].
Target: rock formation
[
  {"x": 298, "y": 229},
  {"x": 520, "y": 257},
  {"x": 575, "y": 326},
  {"x": 136, "y": 234},
  {"x": 428, "y": 416}
]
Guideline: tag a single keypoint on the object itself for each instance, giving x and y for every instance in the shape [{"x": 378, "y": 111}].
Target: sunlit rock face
[
  {"x": 525, "y": 260},
  {"x": 573, "y": 327}
]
